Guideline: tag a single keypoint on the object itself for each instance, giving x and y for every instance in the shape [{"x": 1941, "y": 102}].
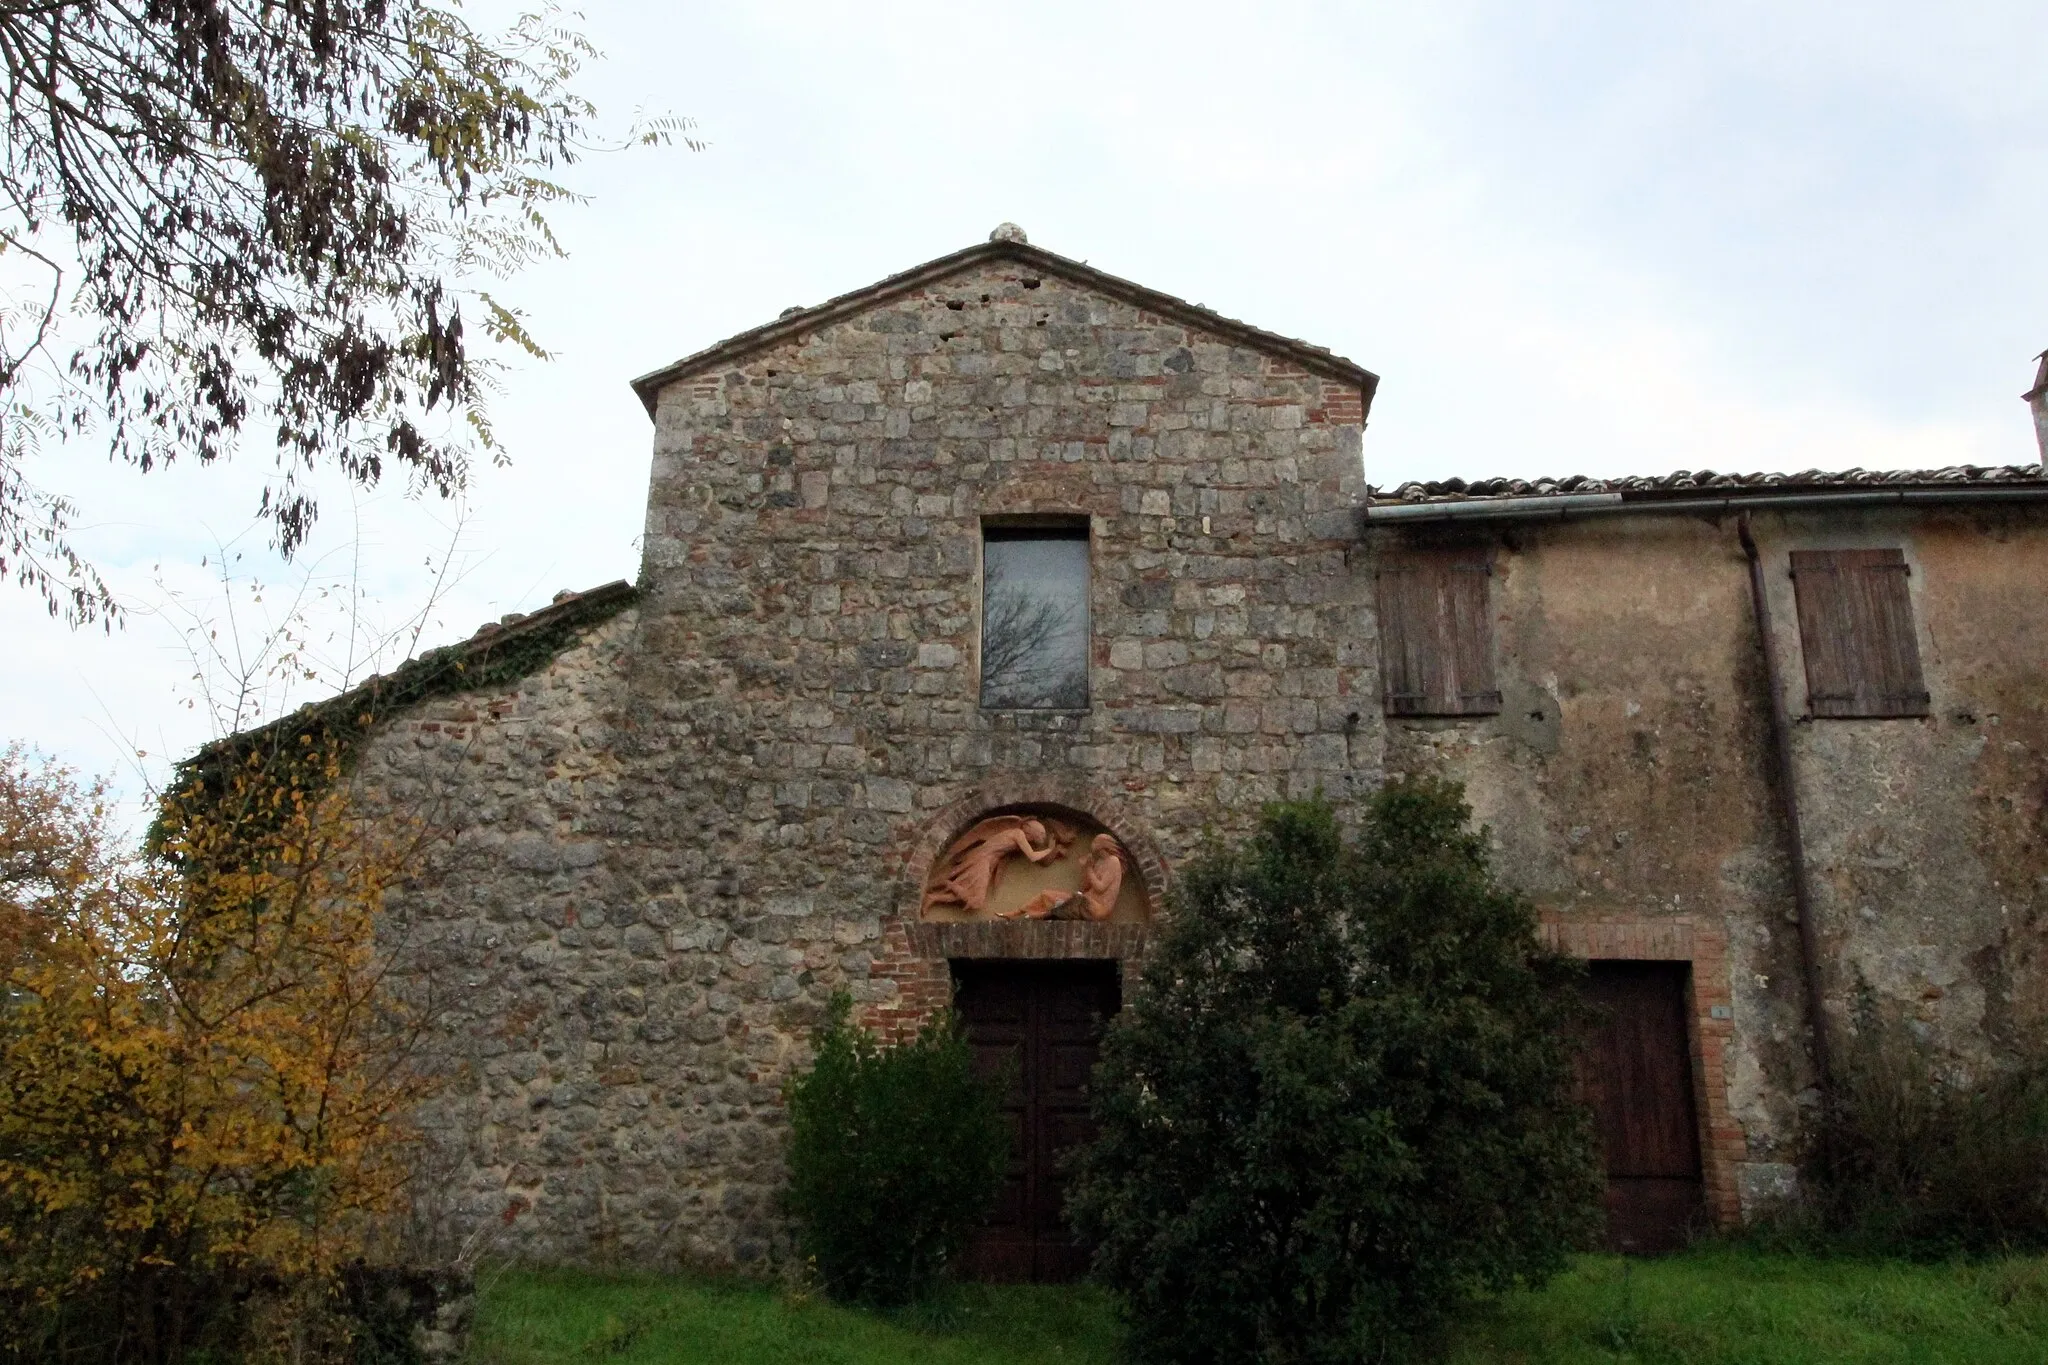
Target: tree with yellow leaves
[{"x": 204, "y": 1073}]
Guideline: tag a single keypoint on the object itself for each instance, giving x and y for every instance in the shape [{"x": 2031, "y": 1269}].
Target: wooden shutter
[
  {"x": 1856, "y": 630},
  {"x": 1436, "y": 634}
]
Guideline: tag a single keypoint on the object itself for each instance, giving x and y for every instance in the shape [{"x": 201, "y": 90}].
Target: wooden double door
[
  {"x": 1635, "y": 1072},
  {"x": 1041, "y": 1024}
]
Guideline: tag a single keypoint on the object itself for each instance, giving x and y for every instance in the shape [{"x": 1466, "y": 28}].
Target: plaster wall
[
  {"x": 1924, "y": 835},
  {"x": 1628, "y": 780}
]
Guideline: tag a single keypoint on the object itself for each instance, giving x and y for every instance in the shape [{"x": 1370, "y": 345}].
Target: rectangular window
[
  {"x": 1034, "y": 617},
  {"x": 1856, "y": 631},
  {"x": 1436, "y": 633}
]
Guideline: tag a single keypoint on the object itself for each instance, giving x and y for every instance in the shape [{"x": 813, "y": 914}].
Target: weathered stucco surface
[
  {"x": 1925, "y": 835},
  {"x": 1629, "y": 775}
]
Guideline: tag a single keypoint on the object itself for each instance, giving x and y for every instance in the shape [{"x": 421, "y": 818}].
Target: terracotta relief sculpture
[
  {"x": 975, "y": 861},
  {"x": 1102, "y": 880}
]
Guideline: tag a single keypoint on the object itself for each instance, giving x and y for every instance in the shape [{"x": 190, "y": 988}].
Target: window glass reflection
[{"x": 1034, "y": 619}]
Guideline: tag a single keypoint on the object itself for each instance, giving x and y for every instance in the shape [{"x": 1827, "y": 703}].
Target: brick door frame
[{"x": 1710, "y": 1022}]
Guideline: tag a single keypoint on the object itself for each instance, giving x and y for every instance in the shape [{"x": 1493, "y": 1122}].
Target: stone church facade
[{"x": 734, "y": 785}]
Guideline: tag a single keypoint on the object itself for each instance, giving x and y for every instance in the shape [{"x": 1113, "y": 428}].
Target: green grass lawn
[
  {"x": 527, "y": 1318},
  {"x": 1714, "y": 1305},
  {"x": 1734, "y": 1305}
]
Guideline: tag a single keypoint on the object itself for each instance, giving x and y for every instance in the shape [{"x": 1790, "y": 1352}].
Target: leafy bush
[
  {"x": 895, "y": 1156},
  {"x": 1340, "y": 1103},
  {"x": 204, "y": 1080},
  {"x": 1915, "y": 1156}
]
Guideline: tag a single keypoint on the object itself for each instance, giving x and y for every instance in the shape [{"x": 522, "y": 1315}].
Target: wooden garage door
[
  {"x": 1043, "y": 1020},
  {"x": 1636, "y": 1073}
]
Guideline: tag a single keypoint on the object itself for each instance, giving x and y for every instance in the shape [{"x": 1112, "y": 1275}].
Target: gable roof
[{"x": 1315, "y": 359}]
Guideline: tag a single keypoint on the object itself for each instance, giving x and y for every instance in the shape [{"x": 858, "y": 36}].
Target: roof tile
[{"x": 1692, "y": 481}]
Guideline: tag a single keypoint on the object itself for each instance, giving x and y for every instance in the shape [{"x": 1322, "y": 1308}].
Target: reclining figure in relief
[{"x": 1101, "y": 882}]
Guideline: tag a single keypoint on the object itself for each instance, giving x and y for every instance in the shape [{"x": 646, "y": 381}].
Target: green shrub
[
  {"x": 1339, "y": 1105},
  {"x": 895, "y": 1156},
  {"x": 1915, "y": 1156}
]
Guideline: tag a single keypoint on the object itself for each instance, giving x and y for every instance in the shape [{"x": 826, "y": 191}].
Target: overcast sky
[{"x": 1569, "y": 237}]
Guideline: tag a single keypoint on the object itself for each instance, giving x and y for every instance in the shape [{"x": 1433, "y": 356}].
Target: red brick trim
[
  {"x": 1343, "y": 404},
  {"x": 918, "y": 958},
  {"x": 1027, "y": 939},
  {"x": 1704, "y": 944},
  {"x": 924, "y": 985}
]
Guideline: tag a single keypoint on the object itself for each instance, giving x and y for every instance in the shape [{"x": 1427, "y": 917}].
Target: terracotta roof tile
[{"x": 1687, "y": 481}]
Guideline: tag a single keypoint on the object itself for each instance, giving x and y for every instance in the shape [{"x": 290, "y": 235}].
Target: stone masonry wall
[
  {"x": 524, "y": 942},
  {"x": 674, "y": 844},
  {"x": 671, "y": 846},
  {"x": 805, "y": 683}
]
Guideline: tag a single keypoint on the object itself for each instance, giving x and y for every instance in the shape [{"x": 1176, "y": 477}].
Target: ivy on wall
[{"x": 309, "y": 747}]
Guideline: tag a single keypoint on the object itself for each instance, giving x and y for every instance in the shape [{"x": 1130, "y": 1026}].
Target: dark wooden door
[
  {"x": 1042, "y": 1021},
  {"x": 1636, "y": 1073}
]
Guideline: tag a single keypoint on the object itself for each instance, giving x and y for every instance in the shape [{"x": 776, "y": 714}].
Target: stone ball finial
[{"x": 1008, "y": 232}]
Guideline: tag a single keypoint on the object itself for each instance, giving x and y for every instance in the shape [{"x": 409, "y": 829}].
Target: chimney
[{"x": 2037, "y": 399}]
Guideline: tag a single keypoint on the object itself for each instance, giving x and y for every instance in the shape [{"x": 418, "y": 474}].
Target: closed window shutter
[
  {"x": 1467, "y": 615},
  {"x": 1407, "y": 639},
  {"x": 1436, "y": 634},
  {"x": 1856, "y": 631}
]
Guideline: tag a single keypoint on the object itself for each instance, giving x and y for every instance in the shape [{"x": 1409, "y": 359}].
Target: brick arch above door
[
  {"x": 1010, "y": 792},
  {"x": 910, "y": 975}
]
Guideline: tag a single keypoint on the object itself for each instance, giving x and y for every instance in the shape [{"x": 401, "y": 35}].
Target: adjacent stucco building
[
  {"x": 1006, "y": 543},
  {"x": 1635, "y": 781}
]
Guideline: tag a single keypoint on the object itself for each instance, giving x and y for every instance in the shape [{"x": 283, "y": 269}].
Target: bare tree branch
[{"x": 279, "y": 210}]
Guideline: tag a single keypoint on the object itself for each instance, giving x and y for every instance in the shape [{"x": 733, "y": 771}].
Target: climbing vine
[{"x": 335, "y": 730}]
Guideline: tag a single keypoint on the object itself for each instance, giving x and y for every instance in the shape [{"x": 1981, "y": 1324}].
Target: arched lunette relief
[{"x": 1035, "y": 864}]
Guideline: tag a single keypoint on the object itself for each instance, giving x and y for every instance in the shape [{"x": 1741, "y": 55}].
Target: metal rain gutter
[{"x": 1572, "y": 506}]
